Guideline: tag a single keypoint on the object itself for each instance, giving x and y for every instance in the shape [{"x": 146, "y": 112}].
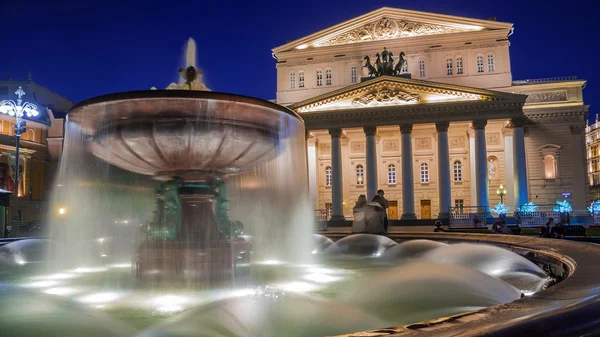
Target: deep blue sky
[{"x": 82, "y": 49}]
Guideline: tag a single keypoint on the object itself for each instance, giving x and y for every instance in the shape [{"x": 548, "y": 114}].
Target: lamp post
[
  {"x": 501, "y": 192},
  {"x": 18, "y": 109}
]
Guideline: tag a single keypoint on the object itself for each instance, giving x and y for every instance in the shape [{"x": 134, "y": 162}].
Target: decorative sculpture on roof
[{"x": 384, "y": 64}]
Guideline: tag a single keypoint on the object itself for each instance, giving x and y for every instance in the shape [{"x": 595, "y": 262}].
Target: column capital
[
  {"x": 577, "y": 129},
  {"x": 507, "y": 131},
  {"x": 518, "y": 122},
  {"x": 442, "y": 126},
  {"x": 370, "y": 130},
  {"x": 406, "y": 128},
  {"x": 335, "y": 133},
  {"x": 479, "y": 124}
]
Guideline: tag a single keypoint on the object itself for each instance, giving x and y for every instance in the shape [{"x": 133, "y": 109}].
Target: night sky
[{"x": 81, "y": 49}]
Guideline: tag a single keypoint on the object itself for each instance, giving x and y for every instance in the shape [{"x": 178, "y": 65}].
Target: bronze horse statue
[
  {"x": 378, "y": 64},
  {"x": 369, "y": 66},
  {"x": 400, "y": 64}
]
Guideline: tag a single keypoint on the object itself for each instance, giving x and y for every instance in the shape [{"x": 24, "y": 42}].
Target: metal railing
[
  {"x": 544, "y": 80},
  {"x": 538, "y": 216},
  {"x": 468, "y": 217}
]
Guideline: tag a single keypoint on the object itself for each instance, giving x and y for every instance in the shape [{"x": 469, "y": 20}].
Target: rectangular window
[
  {"x": 422, "y": 68},
  {"x": 459, "y": 204},
  {"x": 328, "y": 77},
  {"x": 491, "y": 63},
  {"x": 448, "y": 67},
  {"x": 301, "y": 80},
  {"x": 292, "y": 80},
  {"x": 353, "y": 77},
  {"x": 328, "y": 209},
  {"x": 319, "y": 78},
  {"x": 459, "y": 65}
]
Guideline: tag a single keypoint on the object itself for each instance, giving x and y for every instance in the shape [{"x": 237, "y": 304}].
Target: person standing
[
  {"x": 384, "y": 204},
  {"x": 359, "y": 224}
]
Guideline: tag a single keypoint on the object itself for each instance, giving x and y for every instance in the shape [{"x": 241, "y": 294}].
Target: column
[
  {"x": 311, "y": 155},
  {"x": 444, "y": 188},
  {"x": 481, "y": 169},
  {"x": 408, "y": 184},
  {"x": 371, "y": 148},
  {"x": 509, "y": 164},
  {"x": 520, "y": 162},
  {"x": 472, "y": 167},
  {"x": 578, "y": 166},
  {"x": 336, "y": 175}
]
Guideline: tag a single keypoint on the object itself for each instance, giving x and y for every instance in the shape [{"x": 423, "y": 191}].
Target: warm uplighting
[
  {"x": 62, "y": 211},
  {"x": 302, "y": 46}
]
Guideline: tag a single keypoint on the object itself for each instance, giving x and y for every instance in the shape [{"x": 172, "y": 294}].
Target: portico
[{"x": 395, "y": 103}]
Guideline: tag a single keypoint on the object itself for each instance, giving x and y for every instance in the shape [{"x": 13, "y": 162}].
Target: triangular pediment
[
  {"x": 396, "y": 91},
  {"x": 391, "y": 23}
]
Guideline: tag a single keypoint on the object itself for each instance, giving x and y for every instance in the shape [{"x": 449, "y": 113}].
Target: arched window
[
  {"x": 449, "y": 67},
  {"x": 353, "y": 75},
  {"x": 328, "y": 176},
  {"x": 424, "y": 173},
  {"x": 549, "y": 167},
  {"x": 479, "y": 64},
  {"x": 360, "y": 174},
  {"x": 392, "y": 174},
  {"x": 404, "y": 69},
  {"x": 301, "y": 79},
  {"x": 328, "y": 77},
  {"x": 29, "y": 135},
  {"x": 459, "y": 65},
  {"x": 457, "y": 170},
  {"x": 293, "y": 80},
  {"x": 490, "y": 58},
  {"x": 319, "y": 77},
  {"x": 422, "y": 68}
]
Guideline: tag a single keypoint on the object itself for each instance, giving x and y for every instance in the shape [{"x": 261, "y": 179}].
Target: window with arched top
[
  {"x": 292, "y": 80},
  {"x": 479, "y": 64},
  {"x": 422, "y": 68},
  {"x": 458, "y": 170},
  {"x": 449, "y": 67},
  {"x": 353, "y": 75},
  {"x": 319, "y": 78},
  {"x": 550, "y": 167},
  {"x": 360, "y": 175},
  {"x": 301, "y": 79},
  {"x": 490, "y": 59},
  {"x": 459, "y": 65},
  {"x": 392, "y": 174},
  {"x": 328, "y": 77},
  {"x": 328, "y": 176},
  {"x": 424, "y": 173},
  {"x": 29, "y": 135}
]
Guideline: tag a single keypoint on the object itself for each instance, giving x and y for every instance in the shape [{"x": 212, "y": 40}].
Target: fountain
[{"x": 191, "y": 139}]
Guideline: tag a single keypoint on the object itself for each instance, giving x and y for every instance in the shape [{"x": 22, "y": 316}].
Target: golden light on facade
[
  {"x": 302, "y": 46},
  {"x": 62, "y": 211}
]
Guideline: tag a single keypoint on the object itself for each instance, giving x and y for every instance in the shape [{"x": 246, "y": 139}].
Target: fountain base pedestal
[{"x": 199, "y": 253}]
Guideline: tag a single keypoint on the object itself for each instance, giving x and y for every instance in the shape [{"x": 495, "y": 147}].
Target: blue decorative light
[
  {"x": 500, "y": 209},
  {"x": 594, "y": 207},
  {"x": 528, "y": 207},
  {"x": 563, "y": 206}
]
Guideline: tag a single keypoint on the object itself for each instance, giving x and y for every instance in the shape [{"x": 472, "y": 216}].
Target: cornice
[
  {"x": 556, "y": 116},
  {"x": 412, "y": 114},
  {"x": 324, "y": 56}
]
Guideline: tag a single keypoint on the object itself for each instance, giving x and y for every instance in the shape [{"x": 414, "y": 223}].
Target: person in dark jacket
[
  {"x": 384, "y": 203},
  {"x": 547, "y": 229}
]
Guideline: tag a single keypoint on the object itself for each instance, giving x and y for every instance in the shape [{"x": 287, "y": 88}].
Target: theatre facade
[{"x": 424, "y": 107}]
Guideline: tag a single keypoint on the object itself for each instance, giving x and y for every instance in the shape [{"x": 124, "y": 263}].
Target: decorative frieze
[
  {"x": 492, "y": 138},
  {"x": 357, "y": 147},
  {"x": 385, "y": 29},
  {"x": 457, "y": 142},
  {"x": 550, "y": 96},
  {"x": 325, "y": 147},
  {"x": 385, "y": 97},
  {"x": 423, "y": 143},
  {"x": 391, "y": 145}
]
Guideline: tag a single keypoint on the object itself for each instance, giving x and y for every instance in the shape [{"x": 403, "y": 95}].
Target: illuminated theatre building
[{"x": 446, "y": 129}]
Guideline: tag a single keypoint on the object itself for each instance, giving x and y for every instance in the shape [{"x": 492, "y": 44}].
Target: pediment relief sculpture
[
  {"x": 385, "y": 97},
  {"x": 384, "y": 29}
]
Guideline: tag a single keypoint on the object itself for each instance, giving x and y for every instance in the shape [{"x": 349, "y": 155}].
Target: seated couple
[{"x": 369, "y": 217}]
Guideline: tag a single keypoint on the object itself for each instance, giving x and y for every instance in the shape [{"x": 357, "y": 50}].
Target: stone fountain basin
[{"x": 181, "y": 133}]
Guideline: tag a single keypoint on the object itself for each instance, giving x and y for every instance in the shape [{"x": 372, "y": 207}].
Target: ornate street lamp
[
  {"x": 18, "y": 109},
  {"x": 501, "y": 192}
]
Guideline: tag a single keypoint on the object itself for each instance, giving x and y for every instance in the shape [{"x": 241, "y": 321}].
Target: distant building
[
  {"x": 592, "y": 135},
  {"x": 444, "y": 130},
  {"x": 40, "y": 147}
]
